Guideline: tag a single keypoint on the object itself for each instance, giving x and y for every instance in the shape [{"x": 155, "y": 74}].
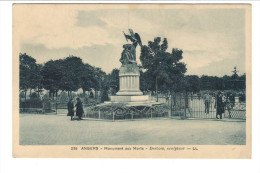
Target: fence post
[
  {"x": 169, "y": 113},
  {"x": 43, "y": 106},
  {"x": 181, "y": 106},
  {"x": 171, "y": 104},
  {"x": 132, "y": 114},
  {"x": 185, "y": 105},
  {"x": 156, "y": 87},
  {"x": 216, "y": 103},
  {"x": 113, "y": 116},
  {"x": 185, "y": 112},
  {"x": 151, "y": 113},
  {"x": 56, "y": 107},
  {"x": 98, "y": 114},
  {"x": 229, "y": 109}
]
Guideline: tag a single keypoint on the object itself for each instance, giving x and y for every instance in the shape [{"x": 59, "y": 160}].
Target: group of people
[
  {"x": 79, "y": 108},
  {"x": 220, "y": 103}
]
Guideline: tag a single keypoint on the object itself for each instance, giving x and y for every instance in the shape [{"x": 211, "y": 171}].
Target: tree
[
  {"x": 227, "y": 82},
  {"x": 52, "y": 73},
  {"x": 104, "y": 89},
  {"x": 72, "y": 68},
  {"x": 242, "y": 79},
  {"x": 37, "y": 79},
  {"x": 99, "y": 76},
  {"x": 164, "y": 71},
  {"x": 235, "y": 81},
  {"x": 30, "y": 77},
  {"x": 144, "y": 85},
  {"x": 206, "y": 82},
  {"x": 114, "y": 81},
  {"x": 88, "y": 79},
  {"x": 192, "y": 83}
]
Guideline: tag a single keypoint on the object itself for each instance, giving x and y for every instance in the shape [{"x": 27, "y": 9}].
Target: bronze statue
[
  {"x": 134, "y": 38},
  {"x": 128, "y": 55}
]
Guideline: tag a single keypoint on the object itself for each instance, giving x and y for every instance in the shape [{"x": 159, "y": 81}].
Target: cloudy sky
[{"x": 212, "y": 39}]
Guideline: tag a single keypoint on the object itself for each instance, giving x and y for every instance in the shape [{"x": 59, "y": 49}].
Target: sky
[{"x": 212, "y": 39}]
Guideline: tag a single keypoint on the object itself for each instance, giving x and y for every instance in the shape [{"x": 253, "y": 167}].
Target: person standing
[
  {"x": 228, "y": 106},
  {"x": 70, "y": 109},
  {"x": 79, "y": 109},
  {"x": 207, "y": 100},
  {"x": 220, "y": 105}
]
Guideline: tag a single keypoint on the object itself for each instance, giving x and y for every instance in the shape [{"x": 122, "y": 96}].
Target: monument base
[
  {"x": 133, "y": 104},
  {"x": 128, "y": 110},
  {"x": 129, "y": 98},
  {"x": 129, "y": 93}
]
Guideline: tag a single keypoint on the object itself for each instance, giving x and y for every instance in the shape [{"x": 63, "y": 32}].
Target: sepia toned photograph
[{"x": 132, "y": 80}]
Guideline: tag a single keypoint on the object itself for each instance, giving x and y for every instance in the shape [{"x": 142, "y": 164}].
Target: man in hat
[
  {"x": 220, "y": 105},
  {"x": 79, "y": 109},
  {"x": 70, "y": 108}
]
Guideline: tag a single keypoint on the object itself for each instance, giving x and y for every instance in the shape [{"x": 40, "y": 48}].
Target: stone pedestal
[
  {"x": 129, "y": 80},
  {"x": 129, "y": 85}
]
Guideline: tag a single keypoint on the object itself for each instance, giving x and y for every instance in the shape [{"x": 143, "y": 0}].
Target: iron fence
[
  {"x": 197, "y": 107},
  {"x": 180, "y": 106},
  {"x": 122, "y": 111},
  {"x": 235, "y": 110}
]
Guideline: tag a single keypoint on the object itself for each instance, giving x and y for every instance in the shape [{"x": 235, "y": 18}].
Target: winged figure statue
[
  {"x": 129, "y": 52},
  {"x": 133, "y": 37}
]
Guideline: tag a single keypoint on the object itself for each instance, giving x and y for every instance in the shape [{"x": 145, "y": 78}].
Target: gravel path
[{"x": 60, "y": 130}]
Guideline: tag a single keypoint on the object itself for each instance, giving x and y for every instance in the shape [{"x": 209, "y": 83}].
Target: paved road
[{"x": 59, "y": 130}]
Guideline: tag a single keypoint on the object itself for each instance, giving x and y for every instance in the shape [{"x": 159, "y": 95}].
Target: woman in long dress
[
  {"x": 70, "y": 108},
  {"x": 79, "y": 109},
  {"x": 220, "y": 106}
]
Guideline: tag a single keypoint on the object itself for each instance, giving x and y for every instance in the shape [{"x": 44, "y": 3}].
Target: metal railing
[
  {"x": 122, "y": 111},
  {"x": 198, "y": 107},
  {"x": 182, "y": 106}
]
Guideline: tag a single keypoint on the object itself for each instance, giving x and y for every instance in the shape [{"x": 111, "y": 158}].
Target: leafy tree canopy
[
  {"x": 30, "y": 77},
  {"x": 52, "y": 73},
  {"x": 72, "y": 68},
  {"x": 114, "y": 81},
  {"x": 163, "y": 66}
]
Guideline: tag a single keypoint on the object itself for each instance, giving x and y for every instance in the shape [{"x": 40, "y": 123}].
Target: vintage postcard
[{"x": 132, "y": 81}]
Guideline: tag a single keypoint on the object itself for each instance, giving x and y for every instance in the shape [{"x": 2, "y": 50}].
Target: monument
[
  {"x": 129, "y": 75},
  {"x": 129, "y": 102}
]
